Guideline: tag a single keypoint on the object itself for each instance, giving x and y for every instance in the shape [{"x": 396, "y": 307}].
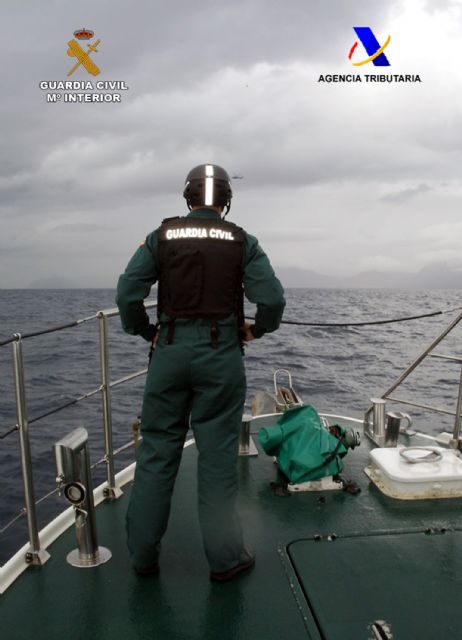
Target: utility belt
[{"x": 172, "y": 329}]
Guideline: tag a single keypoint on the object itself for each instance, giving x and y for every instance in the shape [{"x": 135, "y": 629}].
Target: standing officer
[{"x": 203, "y": 265}]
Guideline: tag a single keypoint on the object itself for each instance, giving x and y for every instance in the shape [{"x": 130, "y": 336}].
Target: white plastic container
[{"x": 401, "y": 479}]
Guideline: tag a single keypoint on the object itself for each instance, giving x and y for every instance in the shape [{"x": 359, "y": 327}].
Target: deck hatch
[{"x": 410, "y": 580}]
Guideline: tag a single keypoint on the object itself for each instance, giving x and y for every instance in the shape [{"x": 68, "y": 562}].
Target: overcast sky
[{"x": 337, "y": 178}]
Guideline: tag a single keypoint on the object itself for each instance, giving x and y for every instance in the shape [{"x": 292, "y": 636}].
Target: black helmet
[{"x": 209, "y": 185}]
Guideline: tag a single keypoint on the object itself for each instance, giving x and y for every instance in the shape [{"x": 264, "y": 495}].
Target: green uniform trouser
[{"x": 189, "y": 379}]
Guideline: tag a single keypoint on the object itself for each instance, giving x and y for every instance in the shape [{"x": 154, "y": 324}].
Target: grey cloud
[
  {"x": 433, "y": 6},
  {"x": 284, "y": 235},
  {"x": 170, "y": 118},
  {"x": 80, "y": 227},
  {"x": 405, "y": 195},
  {"x": 214, "y": 81},
  {"x": 14, "y": 248},
  {"x": 180, "y": 42}
]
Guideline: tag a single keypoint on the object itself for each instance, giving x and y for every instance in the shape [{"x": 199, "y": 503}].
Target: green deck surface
[
  {"x": 395, "y": 578},
  {"x": 297, "y": 583}
]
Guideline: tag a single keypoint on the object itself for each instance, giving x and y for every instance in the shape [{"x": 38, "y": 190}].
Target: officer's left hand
[{"x": 247, "y": 335}]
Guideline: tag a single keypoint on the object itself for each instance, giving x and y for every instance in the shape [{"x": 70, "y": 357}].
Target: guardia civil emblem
[{"x": 83, "y": 57}]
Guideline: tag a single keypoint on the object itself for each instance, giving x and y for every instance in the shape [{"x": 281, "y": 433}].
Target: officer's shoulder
[
  {"x": 165, "y": 220},
  {"x": 251, "y": 243},
  {"x": 151, "y": 240}
]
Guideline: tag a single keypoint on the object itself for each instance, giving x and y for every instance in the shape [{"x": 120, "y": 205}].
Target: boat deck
[{"x": 388, "y": 560}]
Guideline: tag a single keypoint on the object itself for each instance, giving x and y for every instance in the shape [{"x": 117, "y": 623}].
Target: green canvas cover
[{"x": 304, "y": 449}]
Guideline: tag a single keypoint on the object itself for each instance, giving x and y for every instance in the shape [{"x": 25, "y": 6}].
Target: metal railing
[
  {"x": 386, "y": 395},
  {"x": 36, "y": 555}
]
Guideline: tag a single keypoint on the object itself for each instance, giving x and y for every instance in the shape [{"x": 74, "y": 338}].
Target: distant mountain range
[{"x": 436, "y": 276}]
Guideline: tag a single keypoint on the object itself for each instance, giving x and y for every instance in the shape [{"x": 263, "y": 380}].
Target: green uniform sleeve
[
  {"x": 134, "y": 286},
  {"x": 262, "y": 288}
]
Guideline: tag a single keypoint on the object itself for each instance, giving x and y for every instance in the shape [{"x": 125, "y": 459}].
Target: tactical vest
[{"x": 200, "y": 264}]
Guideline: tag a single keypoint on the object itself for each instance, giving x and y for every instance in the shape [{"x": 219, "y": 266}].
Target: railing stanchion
[
  {"x": 111, "y": 491},
  {"x": 36, "y": 555},
  {"x": 244, "y": 436},
  {"x": 458, "y": 421}
]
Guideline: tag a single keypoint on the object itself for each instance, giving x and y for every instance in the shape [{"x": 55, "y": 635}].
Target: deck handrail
[
  {"x": 35, "y": 554},
  {"x": 386, "y": 395}
]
